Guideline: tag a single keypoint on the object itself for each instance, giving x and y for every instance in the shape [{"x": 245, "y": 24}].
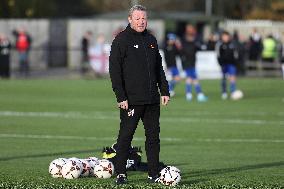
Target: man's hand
[
  {"x": 123, "y": 105},
  {"x": 165, "y": 100}
]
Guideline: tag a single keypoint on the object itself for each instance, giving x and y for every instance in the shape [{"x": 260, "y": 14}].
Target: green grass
[{"x": 218, "y": 144}]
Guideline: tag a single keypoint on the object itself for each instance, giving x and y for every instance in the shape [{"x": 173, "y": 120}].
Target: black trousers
[
  {"x": 149, "y": 114},
  {"x": 4, "y": 66}
]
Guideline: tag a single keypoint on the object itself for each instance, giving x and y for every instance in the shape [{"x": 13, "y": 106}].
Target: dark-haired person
[
  {"x": 23, "y": 45},
  {"x": 171, "y": 51},
  {"x": 189, "y": 47},
  {"x": 227, "y": 54},
  {"x": 5, "y": 48}
]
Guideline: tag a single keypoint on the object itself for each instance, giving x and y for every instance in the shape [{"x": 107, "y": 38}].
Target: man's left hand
[{"x": 165, "y": 100}]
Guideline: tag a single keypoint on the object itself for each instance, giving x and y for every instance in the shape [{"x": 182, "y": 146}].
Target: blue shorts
[
  {"x": 174, "y": 71},
  {"x": 191, "y": 73},
  {"x": 229, "y": 69}
]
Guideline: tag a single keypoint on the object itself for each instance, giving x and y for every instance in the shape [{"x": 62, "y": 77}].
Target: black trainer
[
  {"x": 121, "y": 179},
  {"x": 155, "y": 179}
]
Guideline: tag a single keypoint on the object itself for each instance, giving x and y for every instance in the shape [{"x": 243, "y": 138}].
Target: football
[
  {"x": 170, "y": 176},
  {"x": 93, "y": 161},
  {"x": 86, "y": 168},
  {"x": 55, "y": 167},
  {"x": 237, "y": 95},
  {"x": 72, "y": 169},
  {"x": 75, "y": 159},
  {"x": 104, "y": 169}
]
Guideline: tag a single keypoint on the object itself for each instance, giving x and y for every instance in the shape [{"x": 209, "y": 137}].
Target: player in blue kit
[
  {"x": 171, "y": 52},
  {"x": 227, "y": 54},
  {"x": 189, "y": 47}
]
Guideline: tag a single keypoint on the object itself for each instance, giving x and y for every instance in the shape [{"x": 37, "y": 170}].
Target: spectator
[
  {"x": 171, "y": 52},
  {"x": 227, "y": 54},
  {"x": 269, "y": 51},
  {"x": 282, "y": 58},
  {"x": 211, "y": 43},
  {"x": 240, "y": 44},
  {"x": 5, "y": 47},
  {"x": 23, "y": 45},
  {"x": 189, "y": 47},
  {"x": 85, "y": 44},
  {"x": 255, "y": 46},
  {"x": 99, "y": 54}
]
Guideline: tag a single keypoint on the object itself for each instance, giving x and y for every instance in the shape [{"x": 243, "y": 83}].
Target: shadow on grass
[
  {"x": 226, "y": 170},
  {"x": 48, "y": 154}
]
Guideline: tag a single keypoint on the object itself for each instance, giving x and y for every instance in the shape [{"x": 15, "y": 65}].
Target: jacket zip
[{"x": 148, "y": 64}]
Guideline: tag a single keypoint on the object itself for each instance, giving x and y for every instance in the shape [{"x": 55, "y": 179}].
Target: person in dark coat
[
  {"x": 139, "y": 83},
  {"x": 227, "y": 54},
  {"x": 255, "y": 46},
  {"x": 5, "y": 47},
  {"x": 189, "y": 47},
  {"x": 171, "y": 51},
  {"x": 85, "y": 45}
]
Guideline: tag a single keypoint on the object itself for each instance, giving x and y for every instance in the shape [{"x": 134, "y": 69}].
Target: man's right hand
[{"x": 123, "y": 105}]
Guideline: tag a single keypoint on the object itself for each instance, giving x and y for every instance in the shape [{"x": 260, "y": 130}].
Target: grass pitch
[{"x": 217, "y": 144}]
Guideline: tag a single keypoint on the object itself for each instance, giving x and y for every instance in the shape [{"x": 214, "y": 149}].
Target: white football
[
  {"x": 55, "y": 167},
  {"x": 75, "y": 159},
  {"x": 237, "y": 95},
  {"x": 93, "y": 161},
  {"x": 72, "y": 169},
  {"x": 170, "y": 176},
  {"x": 86, "y": 168},
  {"x": 104, "y": 169}
]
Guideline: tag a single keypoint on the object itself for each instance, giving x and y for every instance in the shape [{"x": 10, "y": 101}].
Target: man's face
[
  {"x": 190, "y": 30},
  {"x": 138, "y": 20},
  {"x": 225, "y": 38}
]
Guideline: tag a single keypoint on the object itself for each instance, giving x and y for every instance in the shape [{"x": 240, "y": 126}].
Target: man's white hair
[{"x": 136, "y": 7}]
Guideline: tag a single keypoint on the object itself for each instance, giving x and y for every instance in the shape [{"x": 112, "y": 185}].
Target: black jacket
[
  {"x": 170, "y": 52},
  {"x": 135, "y": 68},
  {"x": 227, "y": 53},
  {"x": 188, "y": 53}
]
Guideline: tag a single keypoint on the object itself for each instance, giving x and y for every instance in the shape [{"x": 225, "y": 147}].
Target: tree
[{"x": 236, "y": 9}]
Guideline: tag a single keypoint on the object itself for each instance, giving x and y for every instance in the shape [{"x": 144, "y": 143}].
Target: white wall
[
  {"x": 38, "y": 30},
  {"x": 77, "y": 28}
]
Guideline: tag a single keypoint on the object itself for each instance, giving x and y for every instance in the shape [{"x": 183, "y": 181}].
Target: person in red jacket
[{"x": 23, "y": 44}]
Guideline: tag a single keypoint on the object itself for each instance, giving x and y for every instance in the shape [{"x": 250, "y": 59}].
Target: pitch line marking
[
  {"x": 30, "y": 136},
  {"x": 168, "y": 139},
  {"x": 114, "y": 116}
]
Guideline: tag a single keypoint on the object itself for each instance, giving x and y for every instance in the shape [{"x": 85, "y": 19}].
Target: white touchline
[
  {"x": 241, "y": 140},
  {"x": 111, "y": 115},
  {"x": 62, "y": 137}
]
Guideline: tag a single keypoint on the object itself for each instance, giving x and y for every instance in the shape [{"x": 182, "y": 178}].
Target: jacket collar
[{"x": 132, "y": 31}]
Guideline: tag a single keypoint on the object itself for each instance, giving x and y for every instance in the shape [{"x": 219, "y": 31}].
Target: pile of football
[{"x": 73, "y": 168}]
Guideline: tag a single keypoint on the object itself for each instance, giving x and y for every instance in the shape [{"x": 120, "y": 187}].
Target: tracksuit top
[
  {"x": 188, "y": 53},
  {"x": 135, "y": 68},
  {"x": 227, "y": 53},
  {"x": 170, "y": 52}
]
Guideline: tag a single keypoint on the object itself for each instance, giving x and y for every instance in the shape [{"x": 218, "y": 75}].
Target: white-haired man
[{"x": 139, "y": 82}]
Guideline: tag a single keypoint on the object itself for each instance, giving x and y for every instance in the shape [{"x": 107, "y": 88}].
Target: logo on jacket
[
  {"x": 136, "y": 46},
  {"x": 152, "y": 46},
  {"x": 130, "y": 112}
]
